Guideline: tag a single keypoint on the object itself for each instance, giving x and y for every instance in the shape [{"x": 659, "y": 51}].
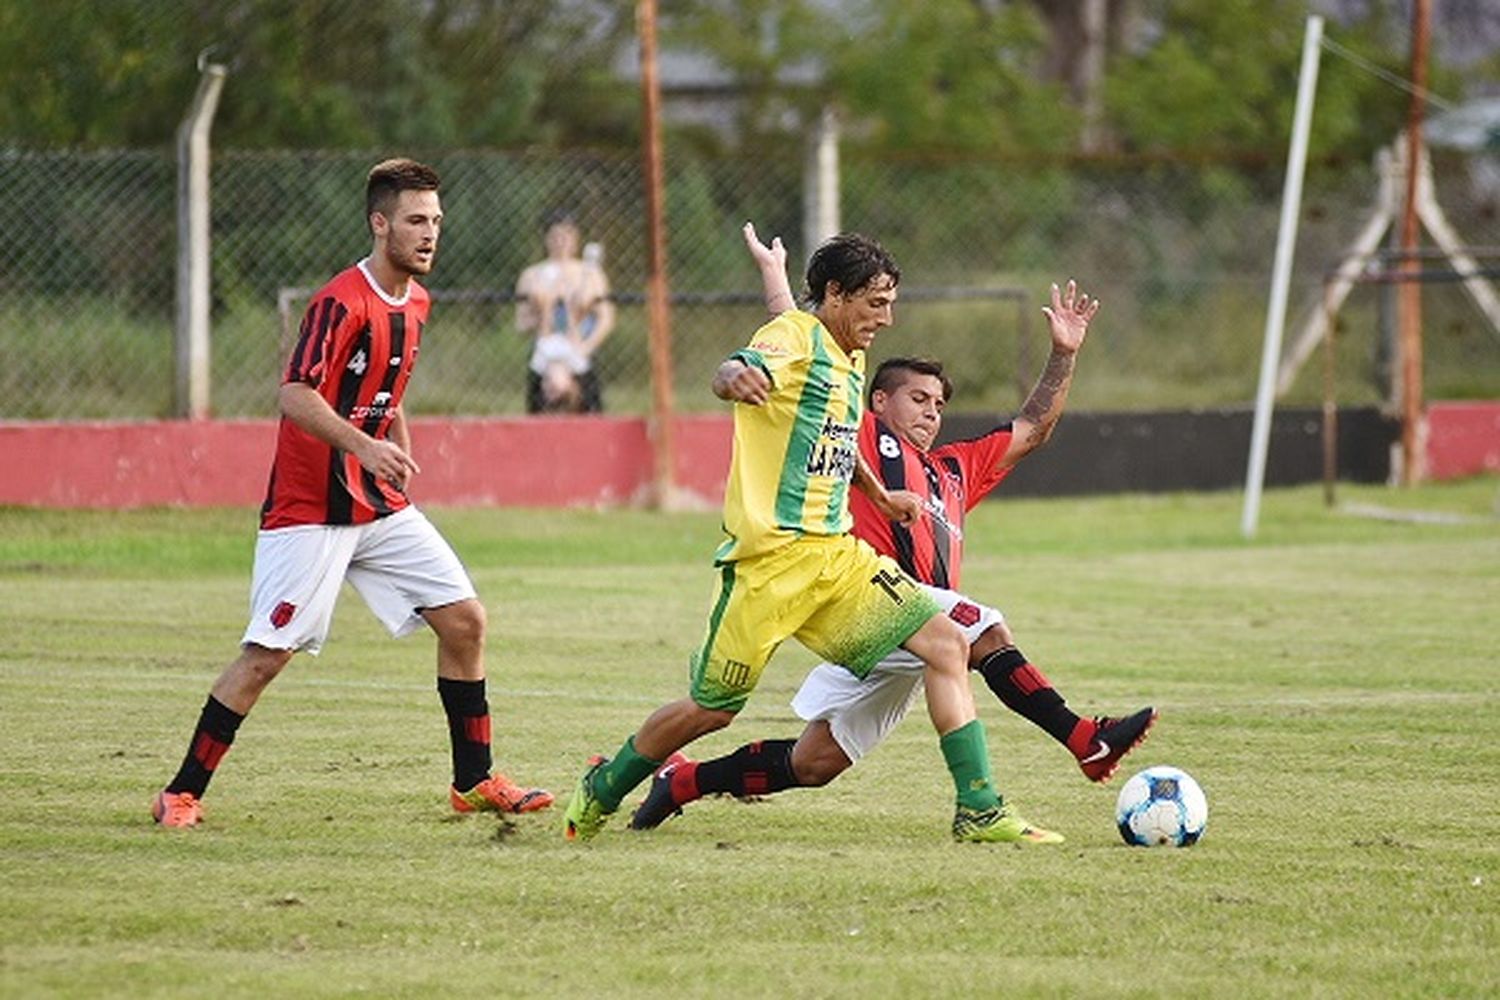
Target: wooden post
[
  {"x": 657, "y": 306},
  {"x": 1330, "y": 404},
  {"x": 1409, "y": 296}
]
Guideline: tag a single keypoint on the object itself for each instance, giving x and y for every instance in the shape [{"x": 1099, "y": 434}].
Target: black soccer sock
[
  {"x": 468, "y": 729},
  {"x": 758, "y": 768},
  {"x": 217, "y": 724},
  {"x": 1026, "y": 691}
]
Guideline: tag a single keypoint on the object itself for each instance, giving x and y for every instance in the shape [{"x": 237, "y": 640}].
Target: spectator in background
[{"x": 564, "y": 301}]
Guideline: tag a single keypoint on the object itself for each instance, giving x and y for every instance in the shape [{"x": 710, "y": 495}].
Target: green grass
[{"x": 1333, "y": 685}]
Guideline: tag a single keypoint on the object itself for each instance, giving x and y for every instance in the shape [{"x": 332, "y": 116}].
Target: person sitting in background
[{"x": 564, "y": 300}]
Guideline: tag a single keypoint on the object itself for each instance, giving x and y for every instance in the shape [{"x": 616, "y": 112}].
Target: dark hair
[
  {"x": 389, "y": 178},
  {"x": 892, "y": 375},
  {"x": 559, "y": 217},
  {"x": 851, "y": 260}
]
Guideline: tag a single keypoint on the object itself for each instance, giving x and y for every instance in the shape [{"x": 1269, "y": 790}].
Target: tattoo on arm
[{"x": 1044, "y": 405}]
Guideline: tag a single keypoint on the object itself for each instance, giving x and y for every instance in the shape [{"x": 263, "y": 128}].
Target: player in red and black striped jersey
[
  {"x": 849, "y": 717},
  {"x": 950, "y": 478},
  {"x": 356, "y": 351},
  {"x": 336, "y": 508},
  {"x": 907, "y": 399}
]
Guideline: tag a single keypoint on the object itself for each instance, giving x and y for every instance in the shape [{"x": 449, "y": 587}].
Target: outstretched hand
[
  {"x": 773, "y": 256},
  {"x": 1069, "y": 316}
]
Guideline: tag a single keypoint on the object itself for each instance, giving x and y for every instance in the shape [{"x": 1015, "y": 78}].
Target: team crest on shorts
[
  {"x": 282, "y": 613},
  {"x": 964, "y": 613}
]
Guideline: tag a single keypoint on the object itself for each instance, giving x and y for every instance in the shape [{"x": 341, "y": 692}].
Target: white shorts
[
  {"x": 399, "y": 564},
  {"x": 861, "y": 713},
  {"x": 556, "y": 348}
]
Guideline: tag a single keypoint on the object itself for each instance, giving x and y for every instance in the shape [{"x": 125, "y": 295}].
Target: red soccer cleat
[{"x": 1113, "y": 739}]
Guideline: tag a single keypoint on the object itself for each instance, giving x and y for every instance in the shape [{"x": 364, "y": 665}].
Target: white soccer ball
[{"x": 1161, "y": 807}]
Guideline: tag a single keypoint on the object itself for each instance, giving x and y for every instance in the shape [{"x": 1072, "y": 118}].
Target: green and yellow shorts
[{"x": 833, "y": 593}]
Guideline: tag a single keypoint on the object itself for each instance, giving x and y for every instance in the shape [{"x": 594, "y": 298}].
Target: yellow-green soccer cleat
[
  {"x": 585, "y": 815},
  {"x": 998, "y": 826}
]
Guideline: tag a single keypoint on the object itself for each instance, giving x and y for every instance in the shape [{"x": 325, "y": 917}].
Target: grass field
[{"x": 1335, "y": 687}]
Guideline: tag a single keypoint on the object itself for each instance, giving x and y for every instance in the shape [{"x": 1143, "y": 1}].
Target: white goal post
[{"x": 1281, "y": 275}]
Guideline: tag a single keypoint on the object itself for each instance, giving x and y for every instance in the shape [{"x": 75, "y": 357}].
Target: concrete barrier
[
  {"x": 607, "y": 461},
  {"x": 533, "y": 461}
]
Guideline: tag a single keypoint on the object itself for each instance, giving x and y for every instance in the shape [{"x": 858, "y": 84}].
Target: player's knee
[
  {"x": 258, "y": 666},
  {"x": 945, "y": 649},
  {"x": 996, "y": 637},
  {"x": 460, "y": 625},
  {"x": 711, "y": 720},
  {"x": 820, "y": 768},
  {"x": 817, "y": 757}
]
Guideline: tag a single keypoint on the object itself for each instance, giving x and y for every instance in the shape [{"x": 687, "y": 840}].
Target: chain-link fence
[{"x": 1179, "y": 252}]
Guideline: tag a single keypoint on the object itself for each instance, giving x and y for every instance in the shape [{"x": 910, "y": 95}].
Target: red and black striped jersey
[
  {"x": 950, "y": 479},
  {"x": 357, "y": 348}
]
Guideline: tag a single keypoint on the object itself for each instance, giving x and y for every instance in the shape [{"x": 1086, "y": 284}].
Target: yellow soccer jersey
[{"x": 794, "y": 454}]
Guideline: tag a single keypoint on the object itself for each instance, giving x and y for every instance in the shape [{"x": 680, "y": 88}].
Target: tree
[
  {"x": 317, "y": 73},
  {"x": 954, "y": 74},
  {"x": 939, "y": 75},
  {"x": 1221, "y": 76}
]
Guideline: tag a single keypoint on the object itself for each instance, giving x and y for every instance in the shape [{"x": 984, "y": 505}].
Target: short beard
[{"x": 411, "y": 265}]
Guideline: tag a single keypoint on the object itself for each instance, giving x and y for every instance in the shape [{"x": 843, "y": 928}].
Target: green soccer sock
[
  {"x": 968, "y": 758},
  {"x": 618, "y": 776}
]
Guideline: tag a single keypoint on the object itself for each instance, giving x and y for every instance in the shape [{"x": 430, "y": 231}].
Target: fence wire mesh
[{"x": 1180, "y": 254}]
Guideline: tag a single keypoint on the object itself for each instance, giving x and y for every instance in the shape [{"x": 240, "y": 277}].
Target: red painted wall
[
  {"x": 533, "y": 461},
  {"x": 1463, "y": 439},
  {"x": 519, "y": 462}
]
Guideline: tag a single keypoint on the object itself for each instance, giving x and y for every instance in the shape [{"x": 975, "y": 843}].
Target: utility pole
[
  {"x": 1409, "y": 298},
  {"x": 657, "y": 306}
]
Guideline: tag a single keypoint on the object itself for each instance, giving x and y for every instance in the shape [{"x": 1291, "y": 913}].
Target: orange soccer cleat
[
  {"x": 176, "y": 809},
  {"x": 498, "y": 793}
]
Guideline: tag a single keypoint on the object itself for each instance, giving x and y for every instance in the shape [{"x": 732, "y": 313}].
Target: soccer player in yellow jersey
[{"x": 788, "y": 566}]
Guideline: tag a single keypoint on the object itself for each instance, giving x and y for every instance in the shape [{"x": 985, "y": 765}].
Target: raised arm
[
  {"x": 771, "y": 262},
  {"x": 1068, "y": 318}
]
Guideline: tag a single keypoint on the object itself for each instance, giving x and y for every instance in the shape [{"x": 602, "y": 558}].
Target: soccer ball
[{"x": 1161, "y": 806}]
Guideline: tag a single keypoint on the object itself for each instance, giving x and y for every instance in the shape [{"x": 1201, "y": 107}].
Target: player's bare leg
[
  {"x": 817, "y": 757},
  {"x": 950, "y": 700},
  {"x": 460, "y": 629},
  {"x": 675, "y": 725},
  {"x": 240, "y": 684}
]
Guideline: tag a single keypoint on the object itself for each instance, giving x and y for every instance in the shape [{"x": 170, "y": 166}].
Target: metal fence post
[
  {"x": 193, "y": 260},
  {"x": 820, "y": 183}
]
